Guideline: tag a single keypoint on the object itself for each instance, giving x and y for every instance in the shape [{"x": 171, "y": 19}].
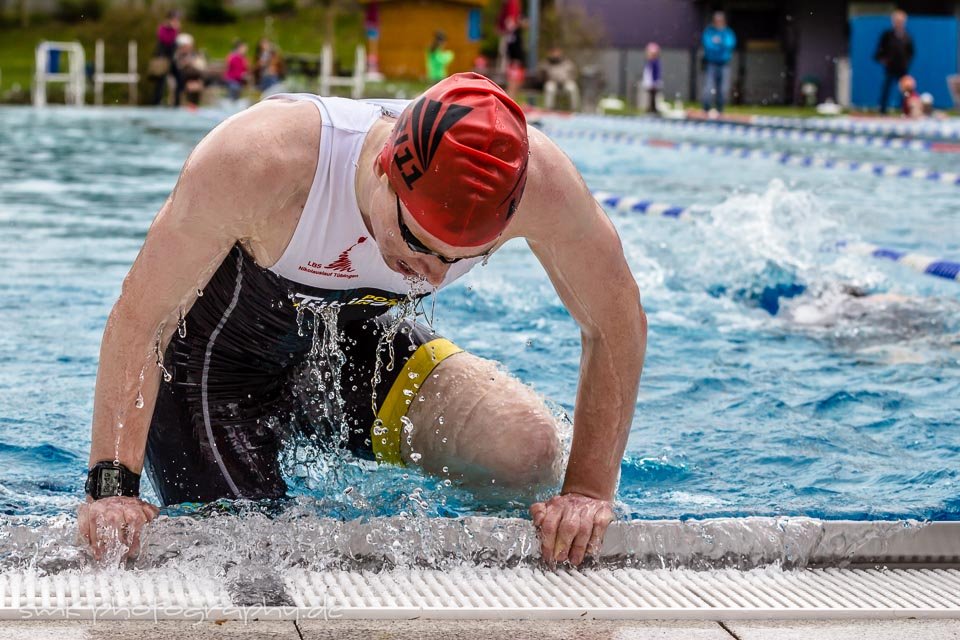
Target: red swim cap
[{"x": 457, "y": 158}]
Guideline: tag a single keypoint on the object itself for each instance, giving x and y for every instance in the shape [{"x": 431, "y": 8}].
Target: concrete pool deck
[
  {"x": 740, "y": 577},
  {"x": 475, "y": 629}
]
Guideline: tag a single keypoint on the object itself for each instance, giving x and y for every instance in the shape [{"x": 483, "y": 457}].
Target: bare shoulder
[
  {"x": 251, "y": 175},
  {"x": 555, "y": 190},
  {"x": 276, "y": 138}
]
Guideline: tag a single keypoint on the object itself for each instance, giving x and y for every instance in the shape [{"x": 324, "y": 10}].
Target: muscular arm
[
  {"x": 231, "y": 186},
  {"x": 581, "y": 252}
]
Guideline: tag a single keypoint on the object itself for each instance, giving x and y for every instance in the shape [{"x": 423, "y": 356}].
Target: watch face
[{"x": 109, "y": 482}]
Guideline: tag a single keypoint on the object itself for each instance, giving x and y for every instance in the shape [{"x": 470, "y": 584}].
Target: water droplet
[
  {"x": 416, "y": 457},
  {"x": 139, "y": 402},
  {"x": 199, "y": 293},
  {"x": 446, "y": 469}
]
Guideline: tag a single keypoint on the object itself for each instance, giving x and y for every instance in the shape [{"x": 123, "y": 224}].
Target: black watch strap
[{"x": 108, "y": 478}]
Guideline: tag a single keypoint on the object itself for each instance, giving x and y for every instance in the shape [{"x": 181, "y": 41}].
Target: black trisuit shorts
[{"x": 250, "y": 371}]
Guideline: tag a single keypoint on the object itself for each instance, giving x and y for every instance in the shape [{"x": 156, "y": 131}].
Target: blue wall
[{"x": 935, "y": 42}]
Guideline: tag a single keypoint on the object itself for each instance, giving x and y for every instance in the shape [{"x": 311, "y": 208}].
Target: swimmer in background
[
  {"x": 306, "y": 215},
  {"x": 891, "y": 327}
]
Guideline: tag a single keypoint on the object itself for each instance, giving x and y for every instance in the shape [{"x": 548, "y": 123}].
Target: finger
[
  {"x": 98, "y": 533},
  {"x": 88, "y": 531},
  {"x": 601, "y": 520},
  {"x": 83, "y": 524},
  {"x": 569, "y": 527},
  {"x": 151, "y": 511},
  {"x": 579, "y": 546},
  {"x": 109, "y": 526},
  {"x": 548, "y": 533},
  {"x": 538, "y": 512},
  {"x": 133, "y": 540}
]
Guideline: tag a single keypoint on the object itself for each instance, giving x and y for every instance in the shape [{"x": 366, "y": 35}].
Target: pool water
[{"x": 768, "y": 388}]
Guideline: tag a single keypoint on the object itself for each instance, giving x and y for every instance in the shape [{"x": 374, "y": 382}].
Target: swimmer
[
  {"x": 888, "y": 327},
  {"x": 301, "y": 206}
]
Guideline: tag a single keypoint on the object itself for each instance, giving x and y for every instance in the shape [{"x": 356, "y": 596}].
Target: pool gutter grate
[{"x": 523, "y": 592}]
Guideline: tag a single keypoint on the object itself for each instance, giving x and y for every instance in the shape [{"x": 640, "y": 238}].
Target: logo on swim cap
[
  {"x": 457, "y": 159},
  {"x": 423, "y": 137}
]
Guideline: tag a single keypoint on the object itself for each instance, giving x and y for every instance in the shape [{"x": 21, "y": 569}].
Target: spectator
[
  {"x": 652, "y": 81},
  {"x": 191, "y": 67},
  {"x": 953, "y": 83},
  {"x": 912, "y": 103},
  {"x": 516, "y": 57},
  {"x": 507, "y": 22},
  {"x": 559, "y": 72},
  {"x": 235, "y": 74},
  {"x": 161, "y": 65},
  {"x": 895, "y": 53},
  {"x": 270, "y": 68},
  {"x": 719, "y": 41},
  {"x": 481, "y": 65},
  {"x": 438, "y": 58}
]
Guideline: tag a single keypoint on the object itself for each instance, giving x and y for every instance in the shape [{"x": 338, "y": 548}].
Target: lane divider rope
[
  {"x": 768, "y": 132},
  {"x": 783, "y": 157},
  {"x": 932, "y": 131},
  {"x": 937, "y": 267}
]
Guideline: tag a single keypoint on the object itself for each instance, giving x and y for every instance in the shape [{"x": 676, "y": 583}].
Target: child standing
[{"x": 652, "y": 81}]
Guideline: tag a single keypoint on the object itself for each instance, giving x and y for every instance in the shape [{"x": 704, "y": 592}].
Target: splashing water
[{"x": 167, "y": 376}]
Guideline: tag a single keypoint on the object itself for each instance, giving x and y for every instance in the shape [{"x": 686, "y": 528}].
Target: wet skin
[{"x": 248, "y": 181}]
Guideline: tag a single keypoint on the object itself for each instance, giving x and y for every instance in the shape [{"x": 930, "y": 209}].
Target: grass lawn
[{"x": 301, "y": 33}]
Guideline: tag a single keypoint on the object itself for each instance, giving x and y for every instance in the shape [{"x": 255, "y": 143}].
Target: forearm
[
  {"x": 127, "y": 382},
  {"x": 609, "y": 378}
]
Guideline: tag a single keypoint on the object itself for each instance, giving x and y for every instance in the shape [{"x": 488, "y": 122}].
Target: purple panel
[
  {"x": 674, "y": 24},
  {"x": 821, "y": 26}
]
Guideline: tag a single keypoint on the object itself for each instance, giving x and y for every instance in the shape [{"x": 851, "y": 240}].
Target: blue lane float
[
  {"x": 947, "y": 269},
  {"x": 783, "y": 157},
  {"x": 629, "y": 204},
  {"x": 937, "y": 267}
]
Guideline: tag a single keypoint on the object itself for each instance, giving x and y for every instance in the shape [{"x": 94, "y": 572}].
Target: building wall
[
  {"x": 407, "y": 28},
  {"x": 633, "y": 23},
  {"x": 821, "y": 27}
]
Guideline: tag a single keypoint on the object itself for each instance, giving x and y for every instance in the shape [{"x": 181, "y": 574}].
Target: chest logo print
[{"x": 342, "y": 263}]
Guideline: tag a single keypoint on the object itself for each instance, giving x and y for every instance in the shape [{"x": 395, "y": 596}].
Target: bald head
[{"x": 899, "y": 19}]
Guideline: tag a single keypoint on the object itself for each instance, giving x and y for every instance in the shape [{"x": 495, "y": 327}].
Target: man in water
[{"x": 257, "y": 305}]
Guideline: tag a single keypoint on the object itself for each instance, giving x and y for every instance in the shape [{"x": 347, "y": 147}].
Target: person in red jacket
[{"x": 237, "y": 69}]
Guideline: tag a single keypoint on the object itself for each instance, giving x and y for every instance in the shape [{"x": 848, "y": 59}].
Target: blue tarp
[{"x": 935, "y": 41}]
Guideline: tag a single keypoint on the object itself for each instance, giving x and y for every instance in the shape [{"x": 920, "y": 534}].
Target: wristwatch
[{"x": 108, "y": 479}]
